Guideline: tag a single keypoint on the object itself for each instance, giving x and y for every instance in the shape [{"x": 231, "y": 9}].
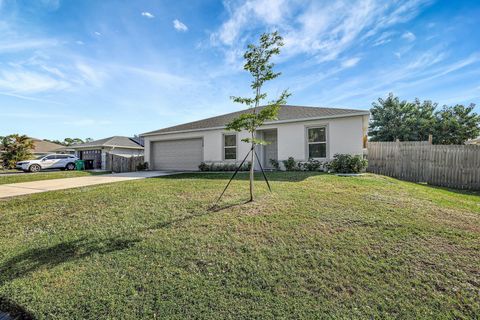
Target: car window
[
  {"x": 61, "y": 156},
  {"x": 50, "y": 157}
]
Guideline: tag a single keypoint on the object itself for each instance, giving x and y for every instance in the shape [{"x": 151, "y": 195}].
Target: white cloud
[
  {"x": 179, "y": 26},
  {"x": 420, "y": 70},
  {"x": 97, "y": 33},
  {"x": 23, "y": 81},
  {"x": 247, "y": 15},
  {"x": 409, "y": 36},
  {"x": 87, "y": 122},
  {"x": 384, "y": 38},
  {"x": 322, "y": 29},
  {"x": 148, "y": 15},
  {"x": 90, "y": 75},
  {"x": 350, "y": 62},
  {"x": 26, "y": 44},
  {"x": 79, "y": 42}
]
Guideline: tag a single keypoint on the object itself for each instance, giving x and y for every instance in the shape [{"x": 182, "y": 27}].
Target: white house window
[
  {"x": 317, "y": 143},
  {"x": 230, "y": 147}
]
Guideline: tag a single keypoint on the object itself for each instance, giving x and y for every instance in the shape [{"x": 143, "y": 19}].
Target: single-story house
[
  {"x": 95, "y": 152},
  {"x": 43, "y": 148},
  {"x": 300, "y": 132},
  {"x": 473, "y": 141}
]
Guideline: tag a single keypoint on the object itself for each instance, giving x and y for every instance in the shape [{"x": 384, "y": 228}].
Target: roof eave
[
  {"x": 105, "y": 146},
  {"x": 360, "y": 113}
]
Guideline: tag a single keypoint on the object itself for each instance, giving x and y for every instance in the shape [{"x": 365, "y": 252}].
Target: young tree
[
  {"x": 16, "y": 148},
  {"x": 455, "y": 125},
  {"x": 257, "y": 62}
]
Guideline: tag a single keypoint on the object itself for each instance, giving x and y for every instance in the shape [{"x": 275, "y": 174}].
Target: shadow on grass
[
  {"x": 293, "y": 176},
  {"x": 37, "y": 258},
  {"x": 14, "y": 310},
  {"x": 213, "y": 209},
  {"x": 459, "y": 191}
]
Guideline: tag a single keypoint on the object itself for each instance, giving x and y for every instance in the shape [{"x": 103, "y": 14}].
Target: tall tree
[
  {"x": 16, "y": 148},
  {"x": 393, "y": 119},
  {"x": 71, "y": 141},
  {"x": 455, "y": 125},
  {"x": 258, "y": 64}
]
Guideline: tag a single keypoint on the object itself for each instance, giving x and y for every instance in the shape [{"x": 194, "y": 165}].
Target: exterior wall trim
[
  {"x": 327, "y": 140},
  {"x": 266, "y": 123},
  {"x": 223, "y": 146}
]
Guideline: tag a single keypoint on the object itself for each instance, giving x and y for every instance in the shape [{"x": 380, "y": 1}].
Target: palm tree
[{"x": 16, "y": 148}]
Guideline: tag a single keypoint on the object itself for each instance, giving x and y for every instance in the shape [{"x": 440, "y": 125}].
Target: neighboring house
[
  {"x": 42, "y": 148},
  {"x": 474, "y": 141},
  {"x": 95, "y": 152},
  {"x": 299, "y": 132}
]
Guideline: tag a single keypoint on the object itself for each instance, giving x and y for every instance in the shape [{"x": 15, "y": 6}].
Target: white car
[{"x": 51, "y": 161}]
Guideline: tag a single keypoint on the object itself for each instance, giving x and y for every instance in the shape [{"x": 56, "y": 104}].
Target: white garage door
[{"x": 177, "y": 154}]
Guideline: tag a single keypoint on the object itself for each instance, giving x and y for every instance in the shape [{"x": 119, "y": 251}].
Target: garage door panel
[{"x": 177, "y": 154}]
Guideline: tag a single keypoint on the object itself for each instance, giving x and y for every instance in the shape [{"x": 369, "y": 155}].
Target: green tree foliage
[
  {"x": 456, "y": 124},
  {"x": 16, "y": 148},
  {"x": 394, "y": 119},
  {"x": 258, "y": 64},
  {"x": 69, "y": 141}
]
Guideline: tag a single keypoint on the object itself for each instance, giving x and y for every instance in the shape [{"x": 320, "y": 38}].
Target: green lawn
[
  {"x": 25, "y": 177},
  {"x": 319, "y": 246}
]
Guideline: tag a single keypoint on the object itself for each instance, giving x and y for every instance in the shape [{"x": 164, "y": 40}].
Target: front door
[{"x": 270, "y": 149}]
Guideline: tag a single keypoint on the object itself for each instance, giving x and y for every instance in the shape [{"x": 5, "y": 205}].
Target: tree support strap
[
  {"x": 263, "y": 172},
  {"x": 238, "y": 169}
]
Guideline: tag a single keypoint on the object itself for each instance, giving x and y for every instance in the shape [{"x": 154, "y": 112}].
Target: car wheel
[
  {"x": 70, "y": 166},
  {"x": 34, "y": 168}
]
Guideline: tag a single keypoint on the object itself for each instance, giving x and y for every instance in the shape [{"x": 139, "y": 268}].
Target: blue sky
[{"x": 101, "y": 68}]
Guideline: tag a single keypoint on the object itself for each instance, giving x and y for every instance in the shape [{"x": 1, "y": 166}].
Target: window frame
[
  {"x": 229, "y": 147},
  {"x": 308, "y": 143}
]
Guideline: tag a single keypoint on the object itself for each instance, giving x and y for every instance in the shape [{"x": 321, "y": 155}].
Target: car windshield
[{"x": 40, "y": 158}]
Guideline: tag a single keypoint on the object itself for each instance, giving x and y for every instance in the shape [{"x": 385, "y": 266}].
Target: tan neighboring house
[
  {"x": 474, "y": 141},
  {"x": 42, "y": 148},
  {"x": 95, "y": 152}
]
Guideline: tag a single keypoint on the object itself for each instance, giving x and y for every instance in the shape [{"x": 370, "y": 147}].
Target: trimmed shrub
[
  {"x": 346, "y": 163},
  {"x": 312, "y": 165},
  {"x": 275, "y": 164},
  {"x": 222, "y": 166},
  {"x": 290, "y": 164},
  {"x": 142, "y": 166}
]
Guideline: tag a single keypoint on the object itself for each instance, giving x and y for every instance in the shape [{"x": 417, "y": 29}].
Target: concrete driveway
[{"x": 24, "y": 188}]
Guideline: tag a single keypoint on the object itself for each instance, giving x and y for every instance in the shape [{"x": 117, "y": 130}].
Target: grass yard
[
  {"x": 319, "y": 246},
  {"x": 47, "y": 175}
]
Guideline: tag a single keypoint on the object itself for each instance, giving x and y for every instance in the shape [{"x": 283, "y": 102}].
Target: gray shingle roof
[
  {"x": 115, "y": 141},
  {"x": 286, "y": 112}
]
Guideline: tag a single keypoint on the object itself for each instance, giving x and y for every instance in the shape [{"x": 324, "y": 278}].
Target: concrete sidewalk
[{"x": 24, "y": 188}]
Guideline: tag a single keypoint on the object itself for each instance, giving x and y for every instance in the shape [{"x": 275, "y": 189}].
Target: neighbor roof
[
  {"x": 286, "y": 113},
  {"x": 115, "y": 141},
  {"x": 41, "y": 146}
]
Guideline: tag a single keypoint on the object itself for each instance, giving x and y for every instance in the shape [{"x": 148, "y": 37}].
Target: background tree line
[
  {"x": 393, "y": 119},
  {"x": 69, "y": 141}
]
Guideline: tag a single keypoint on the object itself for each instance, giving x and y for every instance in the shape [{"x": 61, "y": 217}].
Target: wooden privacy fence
[
  {"x": 453, "y": 166},
  {"x": 122, "y": 163}
]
